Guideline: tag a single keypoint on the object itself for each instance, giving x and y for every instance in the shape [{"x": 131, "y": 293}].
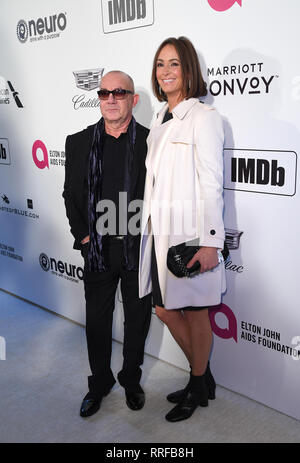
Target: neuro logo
[
  {"x": 41, "y": 29},
  {"x": 38, "y": 145},
  {"x": 61, "y": 269},
  {"x": 223, "y": 5},
  {"x": 231, "y": 330}
]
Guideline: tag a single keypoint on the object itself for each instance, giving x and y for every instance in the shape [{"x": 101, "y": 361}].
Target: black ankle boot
[
  {"x": 176, "y": 397},
  {"x": 210, "y": 382},
  {"x": 195, "y": 396}
]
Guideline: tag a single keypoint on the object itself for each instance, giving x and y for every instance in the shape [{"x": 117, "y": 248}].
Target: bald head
[{"x": 125, "y": 78}]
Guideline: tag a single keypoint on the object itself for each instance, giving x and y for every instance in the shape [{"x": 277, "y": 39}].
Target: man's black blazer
[{"x": 75, "y": 192}]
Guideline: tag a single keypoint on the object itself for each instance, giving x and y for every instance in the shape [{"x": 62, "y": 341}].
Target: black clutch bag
[{"x": 179, "y": 256}]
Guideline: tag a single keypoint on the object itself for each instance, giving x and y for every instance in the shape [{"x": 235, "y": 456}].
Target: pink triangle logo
[{"x": 223, "y": 5}]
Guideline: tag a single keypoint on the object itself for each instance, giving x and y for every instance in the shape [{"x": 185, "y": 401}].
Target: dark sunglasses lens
[
  {"x": 103, "y": 94},
  {"x": 118, "y": 94}
]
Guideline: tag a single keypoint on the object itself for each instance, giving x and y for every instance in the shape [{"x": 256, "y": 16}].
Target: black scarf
[{"x": 95, "y": 255}]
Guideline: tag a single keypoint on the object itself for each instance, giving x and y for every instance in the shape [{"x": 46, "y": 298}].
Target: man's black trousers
[{"x": 100, "y": 291}]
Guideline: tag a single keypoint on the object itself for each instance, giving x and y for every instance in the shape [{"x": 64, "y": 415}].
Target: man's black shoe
[
  {"x": 90, "y": 405},
  {"x": 135, "y": 399}
]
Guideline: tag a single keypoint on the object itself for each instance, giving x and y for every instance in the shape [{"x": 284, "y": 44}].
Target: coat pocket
[
  {"x": 181, "y": 140},
  {"x": 184, "y": 137}
]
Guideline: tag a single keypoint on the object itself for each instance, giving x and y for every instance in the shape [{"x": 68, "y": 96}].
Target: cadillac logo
[
  {"x": 88, "y": 79},
  {"x": 232, "y": 238}
]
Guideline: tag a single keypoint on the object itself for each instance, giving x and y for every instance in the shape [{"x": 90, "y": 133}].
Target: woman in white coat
[{"x": 184, "y": 200}]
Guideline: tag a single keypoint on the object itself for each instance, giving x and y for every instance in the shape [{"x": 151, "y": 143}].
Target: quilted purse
[{"x": 179, "y": 256}]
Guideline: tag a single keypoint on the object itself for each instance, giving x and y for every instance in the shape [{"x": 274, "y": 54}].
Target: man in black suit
[{"x": 102, "y": 161}]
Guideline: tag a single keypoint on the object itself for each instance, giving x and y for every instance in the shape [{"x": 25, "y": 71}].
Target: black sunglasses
[{"x": 117, "y": 93}]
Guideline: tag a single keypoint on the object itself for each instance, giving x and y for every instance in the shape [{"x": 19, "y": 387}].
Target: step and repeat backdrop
[{"x": 53, "y": 55}]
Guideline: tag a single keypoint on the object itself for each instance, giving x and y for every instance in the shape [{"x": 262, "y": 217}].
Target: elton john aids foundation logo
[
  {"x": 42, "y": 157},
  {"x": 229, "y": 331},
  {"x": 40, "y": 154},
  {"x": 223, "y": 5}
]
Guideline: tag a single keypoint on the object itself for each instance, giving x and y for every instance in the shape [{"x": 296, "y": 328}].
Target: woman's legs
[
  {"x": 178, "y": 327},
  {"x": 191, "y": 330},
  {"x": 200, "y": 338}
]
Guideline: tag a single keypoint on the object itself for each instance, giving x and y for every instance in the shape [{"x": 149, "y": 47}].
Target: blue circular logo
[
  {"x": 44, "y": 262},
  {"x": 22, "y": 31}
]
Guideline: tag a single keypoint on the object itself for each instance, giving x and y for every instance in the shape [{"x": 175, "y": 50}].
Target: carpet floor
[{"x": 43, "y": 381}]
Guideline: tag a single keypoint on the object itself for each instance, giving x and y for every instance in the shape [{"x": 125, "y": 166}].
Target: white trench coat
[{"x": 183, "y": 200}]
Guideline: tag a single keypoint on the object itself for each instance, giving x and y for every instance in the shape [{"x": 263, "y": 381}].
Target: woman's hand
[{"x": 207, "y": 257}]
